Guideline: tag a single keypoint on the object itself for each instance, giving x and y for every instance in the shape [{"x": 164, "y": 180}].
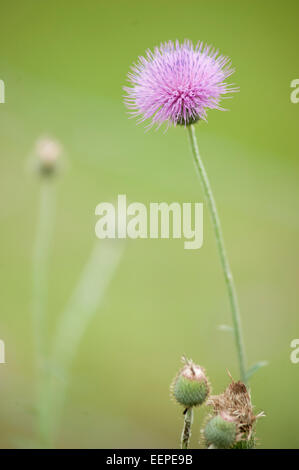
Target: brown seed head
[{"x": 235, "y": 404}]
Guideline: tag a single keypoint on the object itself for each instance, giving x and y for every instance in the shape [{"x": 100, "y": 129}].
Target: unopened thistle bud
[
  {"x": 48, "y": 152},
  {"x": 190, "y": 387},
  {"x": 220, "y": 432}
]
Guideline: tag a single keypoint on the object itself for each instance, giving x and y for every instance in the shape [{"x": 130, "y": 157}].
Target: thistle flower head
[
  {"x": 177, "y": 83},
  {"x": 190, "y": 387}
]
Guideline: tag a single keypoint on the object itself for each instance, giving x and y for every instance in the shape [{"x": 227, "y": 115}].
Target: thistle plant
[
  {"x": 47, "y": 154},
  {"x": 190, "y": 388},
  {"x": 177, "y": 84},
  {"x": 54, "y": 356},
  {"x": 230, "y": 423}
]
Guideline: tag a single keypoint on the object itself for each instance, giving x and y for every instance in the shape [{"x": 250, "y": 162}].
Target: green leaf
[{"x": 253, "y": 369}]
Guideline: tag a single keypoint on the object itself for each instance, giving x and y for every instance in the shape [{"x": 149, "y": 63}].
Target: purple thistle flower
[{"x": 177, "y": 83}]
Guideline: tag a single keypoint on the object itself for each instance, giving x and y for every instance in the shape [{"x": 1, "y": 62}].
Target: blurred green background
[{"x": 64, "y": 65}]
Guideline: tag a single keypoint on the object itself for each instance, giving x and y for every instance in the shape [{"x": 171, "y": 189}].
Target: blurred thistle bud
[
  {"x": 48, "y": 152},
  {"x": 190, "y": 387},
  {"x": 220, "y": 432}
]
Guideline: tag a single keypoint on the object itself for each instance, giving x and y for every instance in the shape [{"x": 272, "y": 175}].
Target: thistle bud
[
  {"x": 48, "y": 152},
  {"x": 220, "y": 432},
  {"x": 190, "y": 387}
]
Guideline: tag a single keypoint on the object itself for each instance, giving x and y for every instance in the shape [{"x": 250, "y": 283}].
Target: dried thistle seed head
[
  {"x": 235, "y": 402},
  {"x": 190, "y": 387},
  {"x": 48, "y": 152},
  {"x": 220, "y": 432}
]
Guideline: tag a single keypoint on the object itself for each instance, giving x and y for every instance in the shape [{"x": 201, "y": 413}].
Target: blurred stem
[
  {"x": 40, "y": 282},
  {"x": 223, "y": 257},
  {"x": 186, "y": 434},
  {"x": 83, "y": 305}
]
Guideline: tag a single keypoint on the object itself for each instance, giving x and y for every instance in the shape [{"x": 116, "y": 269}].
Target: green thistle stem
[
  {"x": 223, "y": 257},
  {"x": 40, "y": 272},
  {"x": 186, "y": 434}
]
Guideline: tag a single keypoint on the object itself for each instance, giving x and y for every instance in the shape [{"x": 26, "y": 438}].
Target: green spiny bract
[
  {"x": 190, "y": 387},
  {"x": 220, "y": 432},
  {"x": 245, "y": 444}
]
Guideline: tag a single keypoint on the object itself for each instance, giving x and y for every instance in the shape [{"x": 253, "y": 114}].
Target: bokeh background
[{"x": 64, "y": 65}]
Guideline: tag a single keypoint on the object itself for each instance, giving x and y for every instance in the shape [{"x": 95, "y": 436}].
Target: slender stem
[
  {"x": 72, "y": 325},
  {"x": 186, "y": 434},
  {"x": 223, "y": 257},
  {"x": 40, "y": 271}
]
